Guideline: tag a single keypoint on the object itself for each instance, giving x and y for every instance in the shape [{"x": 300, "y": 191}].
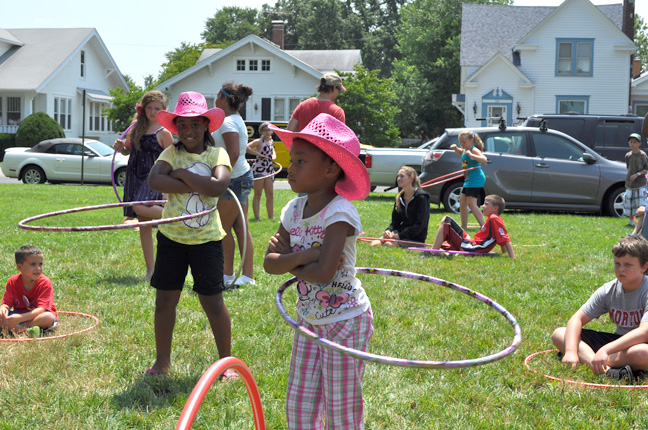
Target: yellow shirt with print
[{"x": 202, "y": 229}]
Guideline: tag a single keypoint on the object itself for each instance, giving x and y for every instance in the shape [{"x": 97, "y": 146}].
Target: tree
[
  {"x": 369, "y": 107},
  {"x": 428, "y": 73},
  {"x": 180, "y": 59},
  {"x": 641, "y": 40},
  {"x": 38, "y": 127},
  {"x": 230, "y": 24},
  {"x": 123, "y": 104}
]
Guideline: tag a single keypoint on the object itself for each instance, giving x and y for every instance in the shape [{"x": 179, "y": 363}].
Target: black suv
[{"x": 605, "y": 134}]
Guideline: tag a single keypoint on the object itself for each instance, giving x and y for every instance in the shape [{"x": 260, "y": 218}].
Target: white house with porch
[
  {"x": 47, "y": 70},
  {"x": 522, "y": 60},
  {"x": 279, "y": 78}
]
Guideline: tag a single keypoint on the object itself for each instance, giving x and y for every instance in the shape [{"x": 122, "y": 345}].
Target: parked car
[
  {"x": 383, "y": 164},
  {"x": 532, "y": 168},
  {"x": 605, "y": 134},
  {"x": 59, "y": 160}
]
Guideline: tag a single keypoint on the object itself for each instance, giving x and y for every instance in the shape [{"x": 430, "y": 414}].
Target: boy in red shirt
[
  {"x": 28, "y": 302},
  {"x": 451, "y": 236}
]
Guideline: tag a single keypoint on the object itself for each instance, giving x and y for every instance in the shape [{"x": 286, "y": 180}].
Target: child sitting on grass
[
  {"x": 28, "y": 302},
  {"x": 451, "y": 236},
  {"x": 625, "y": 300}
]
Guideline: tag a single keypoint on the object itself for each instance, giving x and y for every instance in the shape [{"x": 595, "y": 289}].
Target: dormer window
[
  {"x": 83, "y": 64},
  {"x": 253, "y": 65},
  {"x": 574, "y": 57}
]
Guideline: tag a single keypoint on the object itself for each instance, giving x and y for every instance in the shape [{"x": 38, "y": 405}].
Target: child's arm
[
  {"x": 639, "y": 335},
  {"x": 573, "y": 337},
  {"x": 281, "y": 259},
  {"x": 458, "y": 150},
  {"x": 159, "y": 179},
  {"x": 212, "y": 186},
  {"x": 4, "y": 311},
  {"x": 509, "y": 248},
  {"x": 477, "y": 155},
  {"x": 14, "y": 320}
]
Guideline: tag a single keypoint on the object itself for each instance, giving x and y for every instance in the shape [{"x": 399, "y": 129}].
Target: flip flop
[
  {"x": 228, "y": 375},
  {"x": 152, "y": 372}
]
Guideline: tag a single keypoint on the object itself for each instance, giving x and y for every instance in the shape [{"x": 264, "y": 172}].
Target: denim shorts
[{"x": 242, "y": 186}]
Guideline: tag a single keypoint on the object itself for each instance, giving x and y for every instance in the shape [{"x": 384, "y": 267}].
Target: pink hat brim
[
  {"x": 356, "y": 183},
  {"x": 216, "y": 116}
]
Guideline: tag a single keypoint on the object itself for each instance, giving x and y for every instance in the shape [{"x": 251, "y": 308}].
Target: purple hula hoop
[
  {"x": 428, "y": 364},
  {"x": 23, "y": 224},
  {"x": 442, "y": 251},
  {"x": 112, "y": 165}
]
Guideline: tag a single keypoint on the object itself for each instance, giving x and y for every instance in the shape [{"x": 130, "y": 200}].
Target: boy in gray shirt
[{"x": 625, "y": 300}]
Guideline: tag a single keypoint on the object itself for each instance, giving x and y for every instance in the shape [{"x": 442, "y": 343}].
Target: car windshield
[
  {"x": 100, "y": 147},
  {"x": 428, "y": 144}
]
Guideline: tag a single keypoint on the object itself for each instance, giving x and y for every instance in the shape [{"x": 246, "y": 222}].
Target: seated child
[
  {"x": 625, "y": 299},
  {"x": 411, "y": 213},
  {"x": 28, "y": 302},
  {"x": 451, "y": 236}
]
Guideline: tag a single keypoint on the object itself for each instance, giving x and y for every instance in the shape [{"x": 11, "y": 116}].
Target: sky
[{"x": 138, "y": 35}]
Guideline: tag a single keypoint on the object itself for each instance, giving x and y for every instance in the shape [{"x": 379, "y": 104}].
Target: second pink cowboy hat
[
  {"x": 341, "y": 144},
  {"x": 191, "y": 104}
]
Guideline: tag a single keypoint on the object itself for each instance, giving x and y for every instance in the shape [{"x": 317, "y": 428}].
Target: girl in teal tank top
[{"x": 470, "y": 150}]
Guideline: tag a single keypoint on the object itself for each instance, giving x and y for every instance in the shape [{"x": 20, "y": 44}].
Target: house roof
[
  {"x": 39, "y": 53},
  {"x": 483, "y": 35}
]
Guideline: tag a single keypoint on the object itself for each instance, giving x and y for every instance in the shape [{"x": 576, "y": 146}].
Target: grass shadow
[{"x": 150, "y": 391}]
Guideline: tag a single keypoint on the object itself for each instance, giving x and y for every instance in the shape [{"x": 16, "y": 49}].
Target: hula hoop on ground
[
  {"x": 196, "y": 397},
  {"x": 427, "y": 364},
  {"x": 443, "y": 251},
  {"x": 371, "y": 239},
  {"x": 447, "y": 177},
  {"x": 112, "y": 165},
  {"x": 571, "y": 382},
  {"x": 24, "y": 223},
  {"x": 30, "y": 339}
]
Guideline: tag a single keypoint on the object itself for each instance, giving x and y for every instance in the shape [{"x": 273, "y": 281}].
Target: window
[
  {"x": 292, "y": 105},
  {"x": 254, "y": 65},
  {"x": 240, "y": 65},
  {"x": 641, "y": 109},
  {"x": 576, "y": 104},
  {"x": 495, "y": 112},
  {"x": 509, "y": 143},
  {"x": 63, "y": 112},
  {"x": 13, "y": 110},
  {"x": 1, "y": 111},
  {"x": 613, "y": 133},
  {"x": 280, "y": 110},
  {"x": 265, "y": 108},
  {"x": 83, "y": 64},
  {"x": 550, "y": 146},
  {"x": 265, "y": 65},
  {"x": 574, "y": 57},
  {"x": 97, "y": 119}
]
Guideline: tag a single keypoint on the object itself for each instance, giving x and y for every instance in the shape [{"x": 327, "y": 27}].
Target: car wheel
[
  {"x": 33, "y": 175},
  {"x": 451, "y": 197},
  {"x": 615, "y": 202},
  {"x": 120, "y": 177}
]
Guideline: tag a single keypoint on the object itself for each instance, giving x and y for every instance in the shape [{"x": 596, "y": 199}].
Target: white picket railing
[{"x": 8, "y": 129}]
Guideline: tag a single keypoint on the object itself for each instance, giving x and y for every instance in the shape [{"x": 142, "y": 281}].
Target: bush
[
  {"x": 37, "y": 127},
  {"x": 6, "y": 141}
]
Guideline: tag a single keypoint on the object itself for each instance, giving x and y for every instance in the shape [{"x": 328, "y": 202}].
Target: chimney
[
  {"x": 278, "y": 33},
  {"x": 636, "y": 68},
  {"x": 627, "y": 24}
]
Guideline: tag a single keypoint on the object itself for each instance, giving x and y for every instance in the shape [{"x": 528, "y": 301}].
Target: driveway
[{"x": 5, "y": 180}]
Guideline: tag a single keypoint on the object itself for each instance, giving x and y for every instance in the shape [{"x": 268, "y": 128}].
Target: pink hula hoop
[
  {"x": 196, "y": 397},
  {"x": 371, "y": 239},
  {"x": 448, "y": 251},
  {"x": 24, "y": 223},
  {"x": 570, "y": 382},
  {"x": 276, "y": 172},
  {"x": 30, "y": 339},
  {"x": 447, "y": 177}
]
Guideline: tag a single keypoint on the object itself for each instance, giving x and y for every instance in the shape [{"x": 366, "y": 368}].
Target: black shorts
[
  {"x": 597, "y": 339},
  {"x": 174, "y": 259},
  {"x": 471, "y": 192}
]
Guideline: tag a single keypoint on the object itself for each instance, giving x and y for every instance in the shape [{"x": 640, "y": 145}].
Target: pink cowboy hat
[
  {"x": 191, "y": 104},
  {"x": 341, "y": 144}
]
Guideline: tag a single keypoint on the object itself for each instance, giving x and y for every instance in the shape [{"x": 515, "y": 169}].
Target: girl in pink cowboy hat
[
  {"x": 316, "y": 242},
  {"x": 194, "y": 174}
]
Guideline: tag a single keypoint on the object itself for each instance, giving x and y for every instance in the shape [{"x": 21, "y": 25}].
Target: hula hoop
[
  {"x": 238, "y": 203},
  {"x": 454, "y": 175},
  {"x": 31, "y": 339},
  {"x": 24, "y": 223},
  {"x": 392, "y": 361},
  {"x": 571, "y": 382},
  {"x": 196, "y": 397},
  {"x": 443, "y": 251},
  {"x": 276, "y": 172},
  {"x": 112, "y": 165},
  {"x": 371, "y": 239}
]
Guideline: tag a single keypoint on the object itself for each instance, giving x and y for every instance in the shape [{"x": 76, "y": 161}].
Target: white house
[
  {"x": 279, "y": 78},
  {"x": 522, "y": 60},
  {"x": 639, "y": 97},
  {"x": 47, "y": 70}
]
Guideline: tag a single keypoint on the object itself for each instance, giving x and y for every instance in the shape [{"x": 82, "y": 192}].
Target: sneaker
[
  {"x": 624, "y": 372},
  {"x": 33, "y": 331},
  {"x": 245, "y": 280},
  {"x": 228, "y": 279}
]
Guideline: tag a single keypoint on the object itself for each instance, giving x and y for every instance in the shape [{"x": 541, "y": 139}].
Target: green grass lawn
[{"x": 92, "y": 380}]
